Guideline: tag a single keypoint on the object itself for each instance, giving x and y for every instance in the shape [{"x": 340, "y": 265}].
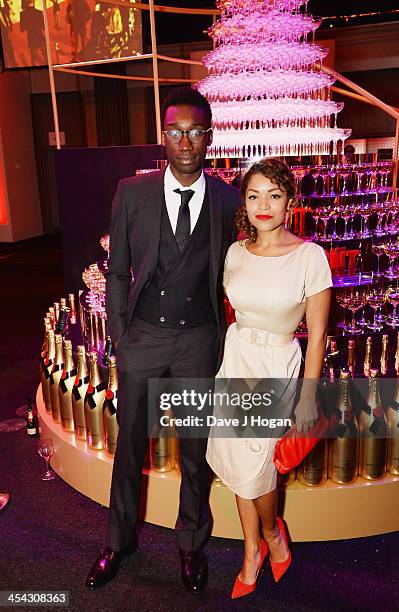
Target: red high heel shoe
[
  {"x": 242, "y": 588},
  {"x": 279, "y": 568}
]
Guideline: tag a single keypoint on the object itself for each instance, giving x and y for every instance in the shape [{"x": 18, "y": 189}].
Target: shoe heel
[{"x": 279, "y": 568}]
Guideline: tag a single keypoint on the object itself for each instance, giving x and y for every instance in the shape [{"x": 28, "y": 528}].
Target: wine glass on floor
[{"x": 45, "y": 448}]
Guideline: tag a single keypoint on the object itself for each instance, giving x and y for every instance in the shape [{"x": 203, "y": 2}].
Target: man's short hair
[{"x": 190, "y": 97}]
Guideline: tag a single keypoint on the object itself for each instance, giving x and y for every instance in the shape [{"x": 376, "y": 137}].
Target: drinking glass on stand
[
  {"x": 332, "y": 173},
  {"x": 354, "y": 302},
  {"x": 392, "y": 296},
  {"x": 365, "y": 211},
  {"x": 360, "y": 172},
  {"x": 341, "y": 300},
  {"x": 378, "y": 250},
  {"x": 345, "y": 172},
  {"x": 325, "y": 214},
  {"x": 45, "y": 448},
  {"x": 347, "y": 214},
  {"x": 376, "y": 300},
  {"x": 315, "y": 173},
  {"x": 392, "y": 250}
]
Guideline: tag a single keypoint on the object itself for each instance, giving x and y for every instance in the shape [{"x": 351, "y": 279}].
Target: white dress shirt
[{"x": 173, "y": 200}]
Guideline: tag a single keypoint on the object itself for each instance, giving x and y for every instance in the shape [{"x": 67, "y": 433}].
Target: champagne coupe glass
[
  {"x": 393, "y": 224},
  {"x": 315, "y": 173},
  {"x": 346, "y": 214},
  {"x": 299, "y": 172},
  {"x": 373, "y": 178},
  {"x": 392, "y": 250},
  {"x": 381, "y": 210},
  {"x": 378, "y": 250},
  {"x": 335, "y": 214},
  {"x": 45, "y": 448},
  {"x": 345, "y": 172},
  {"x": 341, "y": 300},
  {"x": 365, "y": 211},
  {"x": 354, "y": 302},
  {"x": 360, "y": 172},
  {"x": 332, "y": 173},
  {"x": 392, "y": 296},
  {"x": 325, "y": 214},
  {"x": 375, "y": 299},
  {"x": 324, "y": 173},
  {"x": 316, "y": 214}
]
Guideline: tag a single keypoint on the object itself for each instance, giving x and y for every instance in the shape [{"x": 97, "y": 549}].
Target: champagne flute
[
  {"x": 392, "y": 295},
  {"x": 45, "y": 448},
  {"x": 375, "y": 299}
]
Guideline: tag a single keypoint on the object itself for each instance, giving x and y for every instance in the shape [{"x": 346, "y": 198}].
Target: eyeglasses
[{"x": 195, "y": 136}]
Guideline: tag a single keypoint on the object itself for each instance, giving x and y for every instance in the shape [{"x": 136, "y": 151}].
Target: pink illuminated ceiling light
[{"x": 267, "y": 91}]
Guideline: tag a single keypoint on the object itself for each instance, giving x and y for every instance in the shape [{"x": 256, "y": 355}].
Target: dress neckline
[{"x": 275, "y": 256}]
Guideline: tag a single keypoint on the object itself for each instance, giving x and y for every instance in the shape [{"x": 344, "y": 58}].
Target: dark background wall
[{"x": 87, "y": 179}]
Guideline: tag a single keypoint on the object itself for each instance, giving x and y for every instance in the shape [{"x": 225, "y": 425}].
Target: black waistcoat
[{"x": 178, "y": 294}]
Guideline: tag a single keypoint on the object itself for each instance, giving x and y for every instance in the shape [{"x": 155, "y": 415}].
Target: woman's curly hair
[{"x": 275, "y": 170}]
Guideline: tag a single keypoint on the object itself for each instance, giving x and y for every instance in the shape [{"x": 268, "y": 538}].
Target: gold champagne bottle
[
  {"x": 47, "y": 367},
  {"x": 52, "y": 316},
  {"x": 397, "y": 355},
  {"x": 313, "y": 469},
  {"x": 384, "y": 355},
  {"x": 343, "y": 448},
  {"x": 42, "y": 367},
  {"x": 393, "y": 432},
  {"x": 351, "y": 357},
  {"x": 72, "y": 308},
  {"x": 162, "y": 447},
  {"x": 94, "y": 401},
  {"x": 79, "y": 393},
  {"x": 63, "y": 303},
  {"x": 55, "y": 378},
  {"x": 56, "y": 311},
  {"x": 373, "y": 432},
  {"x": 110, "y": 408},
  {"x": 65, "y": 388},
  {"x": 367, "y": 357}
]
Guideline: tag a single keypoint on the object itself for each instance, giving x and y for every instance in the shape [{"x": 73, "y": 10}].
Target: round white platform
[{"x": 328, "y": 512}]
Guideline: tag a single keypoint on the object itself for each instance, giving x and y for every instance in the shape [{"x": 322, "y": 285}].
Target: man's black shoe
[
  {"x": 194, "y": 569},
  {"x": 105, "y": 567}
]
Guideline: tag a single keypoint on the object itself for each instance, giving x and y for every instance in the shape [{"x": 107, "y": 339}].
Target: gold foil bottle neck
[
  {"x": 344, "y": 374},
  {"x": 374, "y": 373}
]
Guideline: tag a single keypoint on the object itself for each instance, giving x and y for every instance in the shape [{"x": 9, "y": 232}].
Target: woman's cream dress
[{"x": 269, "y": 297}]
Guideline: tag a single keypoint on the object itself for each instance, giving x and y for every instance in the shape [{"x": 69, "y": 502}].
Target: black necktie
[{"x": 183, "y": 226}]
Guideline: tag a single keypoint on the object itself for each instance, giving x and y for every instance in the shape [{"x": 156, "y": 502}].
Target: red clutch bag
[{"x": 293, "y": 447}]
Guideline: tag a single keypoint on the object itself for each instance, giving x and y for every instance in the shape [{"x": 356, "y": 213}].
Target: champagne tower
[{"x": 268, "y": 93}]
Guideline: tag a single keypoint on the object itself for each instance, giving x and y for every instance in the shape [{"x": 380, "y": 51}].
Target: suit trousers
[{"x": 148, "y": 351}]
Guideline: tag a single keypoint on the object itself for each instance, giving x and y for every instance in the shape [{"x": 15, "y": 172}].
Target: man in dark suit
[{"x": 172, "y": 230}]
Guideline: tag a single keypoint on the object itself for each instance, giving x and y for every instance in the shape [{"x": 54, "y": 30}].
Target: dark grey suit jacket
[{"x": 134, "y": 244}]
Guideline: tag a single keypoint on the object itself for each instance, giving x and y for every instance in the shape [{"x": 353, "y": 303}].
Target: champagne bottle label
[
  {"x": 56, "y": 368},
  {"x": 379, "y": 426},
  {"x": 65, "y": 376},
  {"x": 90, "y": 392},
  {"x": 78, "y": 383},
  {"x": 109, "y": 397}
]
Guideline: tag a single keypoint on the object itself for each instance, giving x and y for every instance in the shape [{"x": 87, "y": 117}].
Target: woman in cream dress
[{"x": 271, "y": 280}]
